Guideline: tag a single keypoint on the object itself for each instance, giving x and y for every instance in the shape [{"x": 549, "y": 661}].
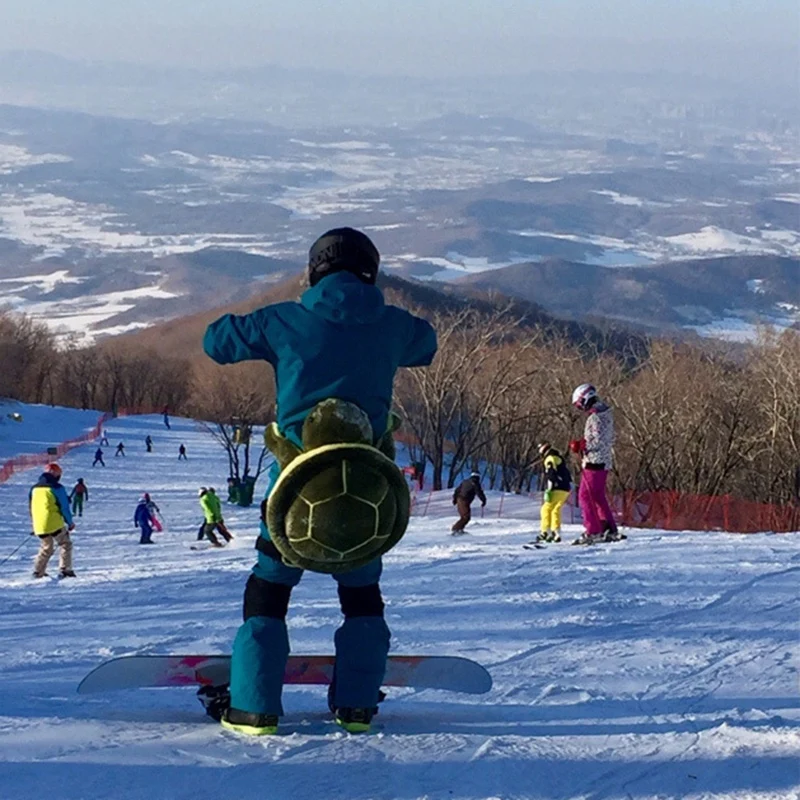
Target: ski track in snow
[{"x": 662, "y": 667}]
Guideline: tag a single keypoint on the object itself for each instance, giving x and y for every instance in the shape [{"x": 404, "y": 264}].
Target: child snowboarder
[
  {"x": 79, "y": 495},
  {"x": 148, "y": 443},
  {"x": 182, "y": 453},
  {"x": 98, "y": 458},
  {"x": 558, "y": 483},
  {"x": 144, "y": 521},
  {"x": 212, "y": 511},
  {"x": 462, "y": 499},
  {"x": 595, "y": 450},
  {"x": 120, "y": 450},
  {"x": 340, "y": 340},
  {"x": 52, "y": 522}
]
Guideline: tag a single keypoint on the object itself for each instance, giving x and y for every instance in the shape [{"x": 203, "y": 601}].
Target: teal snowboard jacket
[{"x": 341, "y": 340}]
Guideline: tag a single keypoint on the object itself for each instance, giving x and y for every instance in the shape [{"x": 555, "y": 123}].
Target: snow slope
[
  {"x": 41, "y": 427},
  {"x": 662, "y": 667}
]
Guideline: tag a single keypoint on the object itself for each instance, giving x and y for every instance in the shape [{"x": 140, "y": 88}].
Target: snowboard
[{"x": 451, "y": 673}]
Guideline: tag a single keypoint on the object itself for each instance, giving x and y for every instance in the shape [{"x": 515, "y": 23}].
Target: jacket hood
[
  {"x": 342, "y": 297},
  {"x": 46, "y": 479}
]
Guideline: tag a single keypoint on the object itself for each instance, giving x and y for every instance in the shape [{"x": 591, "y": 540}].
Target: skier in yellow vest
[{"x": 52, "y": 522}]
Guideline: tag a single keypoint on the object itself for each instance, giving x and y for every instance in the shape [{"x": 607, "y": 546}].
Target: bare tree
[
  {"x": 235, "y": 399},
  {"x": 449, "y": 405}
]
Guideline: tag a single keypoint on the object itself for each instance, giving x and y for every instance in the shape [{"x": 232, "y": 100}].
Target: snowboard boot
[
  {"x": 66, "y": 573},
  {"x": 544, "y": 536},
  {"x": 40, "y": 575},
  {"x": 555, "y": 536},
  {"x": 355, "y": 720},
  {"x": 589, "y": 538},
  {"x": 332, "y": 695},
  {"x": 250, "y": 723}
]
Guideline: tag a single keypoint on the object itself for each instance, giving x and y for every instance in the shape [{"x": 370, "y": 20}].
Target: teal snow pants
[{"x": 261, "y": 647}]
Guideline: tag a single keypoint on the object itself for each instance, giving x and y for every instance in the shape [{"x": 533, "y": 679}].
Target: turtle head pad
[{"x": 335, "y": 421}]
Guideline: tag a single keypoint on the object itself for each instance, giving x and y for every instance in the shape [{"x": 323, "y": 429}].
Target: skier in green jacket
[{"x": 212, "y": 512}]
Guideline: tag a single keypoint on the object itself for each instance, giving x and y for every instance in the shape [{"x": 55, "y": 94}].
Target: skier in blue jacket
[
  {"x": 143, "y": 520},
  {"x": 340, "y": 341}
]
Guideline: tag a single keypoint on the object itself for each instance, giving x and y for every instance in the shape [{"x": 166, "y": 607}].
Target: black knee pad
[
  {"x": 361, "y": 601},
  {"x": 265, "y": 599}
]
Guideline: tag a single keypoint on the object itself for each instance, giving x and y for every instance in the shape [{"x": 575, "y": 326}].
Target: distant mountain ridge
[
  {"x": 183, "y": 336},
  {"x": 673, "y": 294}
]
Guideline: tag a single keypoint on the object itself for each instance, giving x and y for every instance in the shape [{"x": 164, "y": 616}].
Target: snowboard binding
[{"x": 215, "y": 699}]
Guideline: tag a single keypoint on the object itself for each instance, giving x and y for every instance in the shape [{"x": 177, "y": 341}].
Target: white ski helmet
[{"x": 582, "y": 395}]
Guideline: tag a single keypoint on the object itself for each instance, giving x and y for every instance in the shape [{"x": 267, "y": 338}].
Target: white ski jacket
[{"x": 599, "y": 435}]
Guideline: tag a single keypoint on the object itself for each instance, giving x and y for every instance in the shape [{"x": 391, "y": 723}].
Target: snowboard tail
[{"x": 451, "y": 673}]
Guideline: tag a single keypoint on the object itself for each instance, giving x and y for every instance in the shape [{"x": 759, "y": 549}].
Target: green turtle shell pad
[{"x": 338, "y": 507}]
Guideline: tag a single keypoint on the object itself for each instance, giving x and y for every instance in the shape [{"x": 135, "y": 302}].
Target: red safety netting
[
  {"x": 682, "y": 512},
  {"x": 30, "y": 460}
]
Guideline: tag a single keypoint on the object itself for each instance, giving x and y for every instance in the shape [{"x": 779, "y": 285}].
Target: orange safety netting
[
  {"x": 20, "y": 463},
  {"x": 30, "y": 460},
  {"x": 681, "y": 512}
]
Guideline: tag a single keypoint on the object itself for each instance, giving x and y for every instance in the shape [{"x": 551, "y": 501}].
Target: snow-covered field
[{"x": 662, "y": 667}]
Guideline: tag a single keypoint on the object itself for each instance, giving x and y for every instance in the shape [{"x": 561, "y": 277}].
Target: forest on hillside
[{"x": 694, "y": 418}]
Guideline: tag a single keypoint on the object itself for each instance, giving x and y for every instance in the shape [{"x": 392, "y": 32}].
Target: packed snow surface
[
  {"x": 662, "y": 667},
  {"x": 41, "y": 427}
]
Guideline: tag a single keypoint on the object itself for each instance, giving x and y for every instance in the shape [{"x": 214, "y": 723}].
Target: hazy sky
[{"x": 433, "y": 37}]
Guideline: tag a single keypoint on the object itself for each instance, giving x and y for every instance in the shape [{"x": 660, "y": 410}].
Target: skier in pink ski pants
[{"x": 596, "y": 453}]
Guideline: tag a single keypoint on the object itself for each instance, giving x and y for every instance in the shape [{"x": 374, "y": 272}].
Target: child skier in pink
[{"x": 596, "y": 452}]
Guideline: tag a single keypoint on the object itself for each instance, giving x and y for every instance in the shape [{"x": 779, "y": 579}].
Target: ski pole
[{"x": 18, "y": 547}]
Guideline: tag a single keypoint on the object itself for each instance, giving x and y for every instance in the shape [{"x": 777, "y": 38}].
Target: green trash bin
[{"x": 246, "y": 488}]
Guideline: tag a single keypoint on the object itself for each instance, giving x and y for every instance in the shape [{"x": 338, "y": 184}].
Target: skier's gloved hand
[
  {"x": 483, "y": 503},
  {"x": 548, "y": 496}
]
